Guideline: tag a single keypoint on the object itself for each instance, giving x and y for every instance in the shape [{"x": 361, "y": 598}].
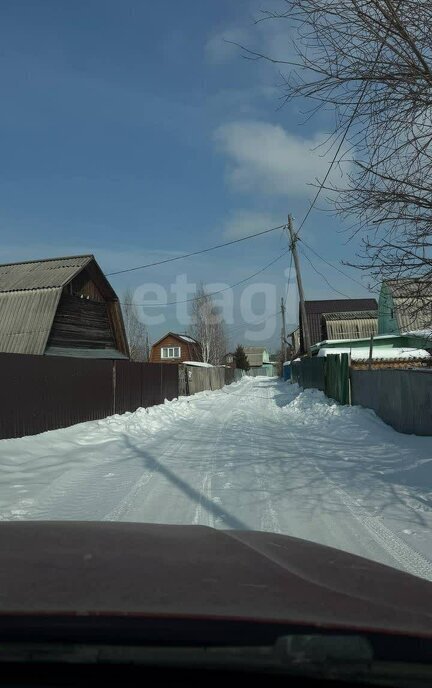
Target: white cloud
[
  {"x": 220, "y": 48},
  {"x": 264, "y": 158},
  {"x": 243, "y": 222}
]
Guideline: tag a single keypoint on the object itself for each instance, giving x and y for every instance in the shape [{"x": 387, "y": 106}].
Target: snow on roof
[
  {"x": 186, "y": 338},
  {"x": 199, "y": 364},
  {"x": 387, "y": 353},
  {"x": 362, "y": 339},
  {"x": 419, "y": 333}
]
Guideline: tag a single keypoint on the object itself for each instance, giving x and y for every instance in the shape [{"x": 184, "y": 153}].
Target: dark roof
[
  {"x": 181, "y": 337},
  {"x": 315, "y": 309}
]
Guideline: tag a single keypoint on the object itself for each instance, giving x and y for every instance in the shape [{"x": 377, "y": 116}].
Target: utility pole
[
  {"x": 283, "y": 333},
  {"x": 305, "y": 324}
]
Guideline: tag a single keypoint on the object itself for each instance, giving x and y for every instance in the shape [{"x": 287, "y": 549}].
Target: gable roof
[
  {"x": 315, "y": 309},
  {"x": 41, "y": 274},
  {"x": 410, "y": 287},
  {"x": 181, "y": 337},
  {"x": 412, "y": 301},
  {"x": 29, "y": 295}
]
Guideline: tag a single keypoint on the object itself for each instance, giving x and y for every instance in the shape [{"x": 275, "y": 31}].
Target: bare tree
[
  {"x": 136, "y": 331},
  {"x": 370, "y": 62},
  {"x": 208, "y": 328}
]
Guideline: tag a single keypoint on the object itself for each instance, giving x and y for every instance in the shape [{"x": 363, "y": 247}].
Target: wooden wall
[
  {"x": 188, "y": 352},
  {"x": 81, "y": 323}
]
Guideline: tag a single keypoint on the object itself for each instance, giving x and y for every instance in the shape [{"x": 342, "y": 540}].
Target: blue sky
[{"x": 133, "y": 130}]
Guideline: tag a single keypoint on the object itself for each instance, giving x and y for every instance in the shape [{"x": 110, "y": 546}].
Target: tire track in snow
[{"x": 412, "y": 561}]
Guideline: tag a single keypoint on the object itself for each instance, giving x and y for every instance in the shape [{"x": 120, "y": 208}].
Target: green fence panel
[{"x": 337, "y": 377}]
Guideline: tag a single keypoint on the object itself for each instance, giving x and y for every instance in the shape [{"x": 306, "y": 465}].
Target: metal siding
[
  {"x": 40, "y": 274},
  {"x": 357, "y": 328},
  {"x": 39, "y": 394},
  {"x": 26, "y": 319},
  {"x": 140, "y": 385},
  {"x": 413, "y": 314},
  {"x": 402, "y": 398}
]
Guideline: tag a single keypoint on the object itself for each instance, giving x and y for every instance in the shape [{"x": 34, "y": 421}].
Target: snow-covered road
[{"x": 259, "y": 454}]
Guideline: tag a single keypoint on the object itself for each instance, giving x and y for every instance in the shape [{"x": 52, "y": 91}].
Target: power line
[
  {"x": 213, "y": 293},
  {"x": 194, "y": 253},
  {"x": 332, "y": 265},
  {"x": 350, "y": 298}
]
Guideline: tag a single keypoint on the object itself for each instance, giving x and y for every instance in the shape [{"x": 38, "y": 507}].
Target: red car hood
[{"x": 140, "y": 570}]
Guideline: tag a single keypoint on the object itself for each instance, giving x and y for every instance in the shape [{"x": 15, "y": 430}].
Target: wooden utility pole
[
  {"x": 305, "y": 323},
  {"x": 283, "y": 333}
]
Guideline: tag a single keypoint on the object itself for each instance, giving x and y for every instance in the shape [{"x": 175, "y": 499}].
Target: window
[{"x": 170, "y": 352}]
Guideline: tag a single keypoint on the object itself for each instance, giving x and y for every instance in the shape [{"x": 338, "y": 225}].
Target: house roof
[
  {"x": 255, "y": 355},
  {"x": 351, "y": 315},
  {"x": 29, "y": 295},
  {"x": 410, "y": 287},
  {"x": 412, "y": 299},
  {"x": 315, "y": 309},
  {"x": 182, "y": 337},
  {"x": 41, "y": 274}
]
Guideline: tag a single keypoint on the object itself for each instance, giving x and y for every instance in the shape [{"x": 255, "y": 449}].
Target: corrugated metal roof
[
  {"x": 413, "y": 313},
  {"x": 41, "y": 274},
  {"x": 351, "y": 315},
  {"x": 315, "y": 309},
  {"x": 410, "y": 287},
  {"x": 26, "y": 318}
]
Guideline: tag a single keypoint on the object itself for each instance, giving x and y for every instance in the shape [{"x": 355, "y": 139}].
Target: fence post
[{"x": 114, "y": 385}]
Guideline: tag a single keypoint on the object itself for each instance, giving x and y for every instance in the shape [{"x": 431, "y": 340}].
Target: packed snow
[{"x": 260, "y": 454}]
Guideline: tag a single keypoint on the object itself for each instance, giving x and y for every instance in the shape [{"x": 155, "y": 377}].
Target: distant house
[
  {"x": 257, "y": 356},
  {"x": 405, "y": 305},
  {"x": 316, "y": 309},
  {"x": 229, "y": 360},
  {"x": 60, "y": 307},
  {"x": 175, "y": 348}
]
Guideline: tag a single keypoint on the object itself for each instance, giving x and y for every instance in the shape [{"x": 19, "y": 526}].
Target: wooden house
[
  {"x": 175, "y": 348},
  {"x": 405, "y": 305},
  {"x": 60, "y": 307}
]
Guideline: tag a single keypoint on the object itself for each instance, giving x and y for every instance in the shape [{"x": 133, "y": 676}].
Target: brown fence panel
[
  {"x": 128, "y": 386},
  {"x": 159, "y": 381},
  {"x": 39, "y": 393},
  {"x": 144, "y": 384}
]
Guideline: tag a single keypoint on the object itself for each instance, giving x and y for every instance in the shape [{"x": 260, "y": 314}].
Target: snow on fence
[
  {"x": 39, "y": 393},
  {"x": 199, "y": 379}
]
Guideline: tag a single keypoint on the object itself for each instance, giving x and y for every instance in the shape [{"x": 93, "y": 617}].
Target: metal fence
[
  {"x": 402, "y": 398},
  {"x": 39, "y": 393},
  {"x": 336, "y": 378},
  {"x": 309, "y": 373}
]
